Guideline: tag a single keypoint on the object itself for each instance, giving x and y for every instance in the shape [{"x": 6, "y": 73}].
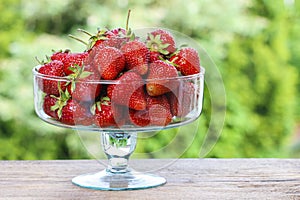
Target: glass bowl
[
  {"x": 184, "y": 97},
  {"x": 186, "y": 113}
]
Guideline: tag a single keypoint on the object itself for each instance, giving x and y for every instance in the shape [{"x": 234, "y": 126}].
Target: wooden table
[{"x": 187, "y": 179}]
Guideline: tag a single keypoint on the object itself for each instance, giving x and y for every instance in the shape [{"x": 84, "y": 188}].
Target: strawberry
[
  {"x": 160, "y": 78},
  {"x": 154, "y": 56},
  {"x": 53, "y": 69},
  {"x": 69, "y": 59},
  {"x": 157, "y": 113},
  {"x": 84, "y": 87},
  {"x": 116, "y": 38},
  {"x": 104, "y": 115},
  {"x": 129, "y": 91},
  {"x": 120, "y": 114},
  {"x": 139, "y": 117},
  {"x": 161, "y": 41},
  {"x": 115, "y": 41},
  {"x": 60, "y": 55},
  {"x": 105, "y": 38},
  {"x": 67, "y": 110},
  {"x": 97, "y": 44},
  {"x": 159, "y": 110},
  {"x": 50, "y": 101},
  {"x": 96, "y": 40},
  {"x": 136, "y": 56},
  {"x": 73, "y": 59},
  {"x": 109, "y": 62},
  {"x": 181, "y": 100},
  {"x": 187, "y": 61},
  {"x": 73, "y": 113}
]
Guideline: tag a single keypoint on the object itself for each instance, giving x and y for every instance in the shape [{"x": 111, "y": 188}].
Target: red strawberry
[
  {"x": 136, "y": 56},
  {"x": 69, "y": 59},
  {"x": 67, "y": 110},
  {"x": 49, "y": 85},
  {"x": 121, "y": 114},
  {"x": 162, "y": 78},
  {"x": 60, "y": 55},
  {"x": 129, "y": 91},
  {"x": 97, "y": 44},
  {"x": 139, "y": 117},
  {"x": 187, "y": 61},
  {"x": 154, "y": 56},
  {"x": 159, "y": 110},
  {"x": 104, "y": 115},
  {"x": 109, "y": 62},
  {"x": 104, "y": 38},
  {"x": 116, "y": 38},
  {"x": 73, "y": 113},
  {"x": 182, "y": 99},
  {"x": 96, "y": 40},
  {"x": 84, "y": 87},
  {"x": 114, "y": 41},
  {"x": 157, "y": 113},
  {"x": 73, "y": 59},
  {"x": 161, "y": 41},
  {"x": 50, "y": 101}
]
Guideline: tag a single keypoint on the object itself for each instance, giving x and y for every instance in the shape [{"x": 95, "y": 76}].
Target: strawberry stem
[
  {"x": 40, "y": 62},
  {"x": 85, "y": 32},
  {"x": 76, "y": 38},
  {"x": 127, "y": 21}
]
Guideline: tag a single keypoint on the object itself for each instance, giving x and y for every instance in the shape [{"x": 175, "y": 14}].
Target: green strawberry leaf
[
  {"x": 85, "y": 74},
  {"x": 73, "y": 86},
  {"x": 93, "y": 109},
  {"x": 98, "y": 104},
  {"x": 54, "y": 107},
  {"x": 154, "y": 43},
  {"x": 59, "y": 113},
  {"x": 164, "y": 52},
  {"x": 73, "y": 69},
  {"x": 106, "y": 98}
]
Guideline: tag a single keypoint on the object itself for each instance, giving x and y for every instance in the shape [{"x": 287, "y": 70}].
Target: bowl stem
[
  {"x": 118, "y": 176},
  {"x": 118, "y": 147}
]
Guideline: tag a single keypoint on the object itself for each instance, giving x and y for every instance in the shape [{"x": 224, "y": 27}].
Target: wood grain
[{"x": 187, "y": 179}]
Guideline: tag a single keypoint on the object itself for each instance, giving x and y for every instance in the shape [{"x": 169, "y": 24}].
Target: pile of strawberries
[{"x": 139, "y": 81}]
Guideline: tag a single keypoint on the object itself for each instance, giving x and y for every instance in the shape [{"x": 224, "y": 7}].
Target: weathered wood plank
[{"x": 187, "y": 179}]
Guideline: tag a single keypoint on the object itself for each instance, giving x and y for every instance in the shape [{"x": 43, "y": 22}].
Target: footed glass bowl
[{"x": 111, "y": 108}]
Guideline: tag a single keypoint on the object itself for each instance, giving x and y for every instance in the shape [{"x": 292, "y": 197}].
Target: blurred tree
[
  {"x": 254, "y": 43},
  {"x": 262, "y": 101},
  {"x": 293, "y": 45},
  {"x": 294, "y": 41},
  {"x": 58, "y": 18},
  {"x": 11, "y": 25},
  {"x": 22, "y": 134}
]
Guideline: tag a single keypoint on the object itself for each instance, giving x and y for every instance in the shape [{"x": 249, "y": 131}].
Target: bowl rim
[{"x": 115, "y": 81}]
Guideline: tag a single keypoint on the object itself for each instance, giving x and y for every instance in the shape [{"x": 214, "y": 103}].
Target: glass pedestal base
[{"x": 105, "y": 180}]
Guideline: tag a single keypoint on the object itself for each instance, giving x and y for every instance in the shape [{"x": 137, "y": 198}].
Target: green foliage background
[{"x": 254, "y": 43}]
